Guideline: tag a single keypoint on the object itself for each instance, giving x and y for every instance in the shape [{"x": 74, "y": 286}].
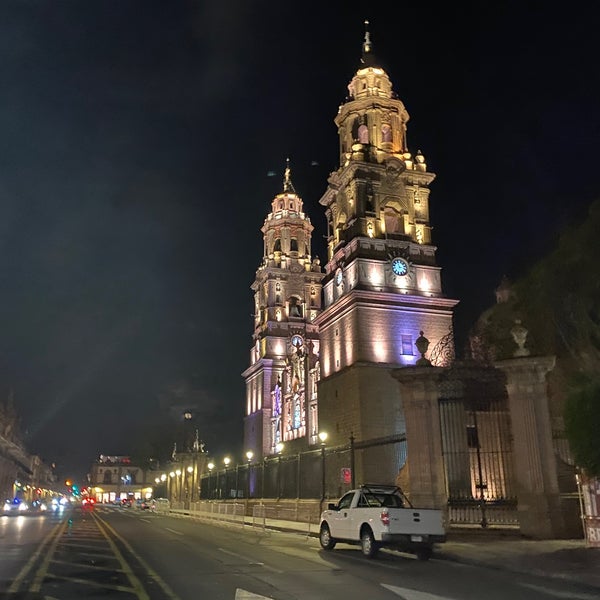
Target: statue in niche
[
  {"x": 297, "y": 369},
  {"x": 294, "y": 307},
  {"x": 391, "y": 182}
]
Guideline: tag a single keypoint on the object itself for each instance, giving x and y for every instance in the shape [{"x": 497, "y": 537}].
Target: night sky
[{"x": 138, "y": 142}]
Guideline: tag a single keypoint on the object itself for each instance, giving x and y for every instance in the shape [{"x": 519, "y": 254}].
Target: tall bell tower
[
  {"x": 382, "y": 286},
  {"x": 281, "y": 381}
]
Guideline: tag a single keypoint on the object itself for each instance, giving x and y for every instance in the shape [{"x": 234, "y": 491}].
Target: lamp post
[
  {"x": 352, "y": 460},
  {"x": 279, "y": 450},
  {"x": 211, "y": 466},
  {"x": 323, "y": 438},
  {"x": 180, "y": 480},
  {"x": 171, "y": 476},
  {"x": 190, "y": 476},
  {"x": 249, "y": 456},
  {"x": 226, "y": 460}
]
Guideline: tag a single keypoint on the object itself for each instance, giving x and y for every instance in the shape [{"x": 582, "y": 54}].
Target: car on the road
[
  {"x": 15, "y": 506},
  {"x": 88, "y": 503},
  {"x": 160, "y": 505},
  {"x": 38, "y": 507}
]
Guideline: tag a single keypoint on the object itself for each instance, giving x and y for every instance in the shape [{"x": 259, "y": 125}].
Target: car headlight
[{"x": 23, "y": 506}]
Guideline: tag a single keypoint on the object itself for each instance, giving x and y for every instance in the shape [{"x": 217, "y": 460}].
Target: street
[{"x": 114, "y": 552}]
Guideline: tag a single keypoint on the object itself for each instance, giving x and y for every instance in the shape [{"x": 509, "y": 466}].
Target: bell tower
[
  {"x": 281, "y": 381},
  {"x": 382, "y": 286}
]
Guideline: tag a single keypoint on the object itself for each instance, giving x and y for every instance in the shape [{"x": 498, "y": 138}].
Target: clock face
[
  {"x": 338, "y": 277},
  {"x": 399, "y": 266},
  {"x": 297, "y": 341}
]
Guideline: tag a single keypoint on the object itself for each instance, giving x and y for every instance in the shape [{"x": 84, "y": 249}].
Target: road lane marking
[
  {"x": 153, "y": 574},
  {"x": 408, "y": 594},
  {"x": 58, "y": 529},
  {"x": 136, "y": 586},
  {"x": 173, "y": 531},
  {"x": 250, "y": 561},
  {"x": 241, "y": 594}
]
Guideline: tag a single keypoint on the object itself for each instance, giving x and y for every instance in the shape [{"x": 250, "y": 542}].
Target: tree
[{"x": 582, "y": 422}]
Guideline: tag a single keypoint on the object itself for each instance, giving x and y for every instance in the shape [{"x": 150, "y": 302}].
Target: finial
[
  {"x": 519, "y": 334},
  {"x": 287, "y": 179},
  {"x": 422, "y": 344},
  {"x": 367, "y": 42},
  {"x": 368, "y": 58}
]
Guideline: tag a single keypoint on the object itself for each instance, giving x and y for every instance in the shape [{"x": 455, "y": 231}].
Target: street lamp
[
  {"x": 323, "y": 438},
  {"x": 226, "y": 460},
  {"x": 249, "y": 457},
  {"x": 170, "y": 494},
  {"x": 211, "y": 466},
  {"x": 178, "y": 486},
  {"x": 279, "y": 450},
  {"x": 189, "y": 478}
]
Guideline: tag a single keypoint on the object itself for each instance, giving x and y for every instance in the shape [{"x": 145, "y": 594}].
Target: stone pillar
[
  {"x": 420, "y": 402},
  {"x": 535, "y": 465}
]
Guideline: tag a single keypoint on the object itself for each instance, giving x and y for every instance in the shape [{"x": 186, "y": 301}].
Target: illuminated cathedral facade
[{"x": 326, "y": 340}]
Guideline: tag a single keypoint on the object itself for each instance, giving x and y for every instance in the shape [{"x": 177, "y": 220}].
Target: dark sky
[{"x": 136, "y": 138}]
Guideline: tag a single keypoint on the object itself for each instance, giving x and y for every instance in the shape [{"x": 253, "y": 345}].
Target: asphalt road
[{"x": 127, "y": 553}]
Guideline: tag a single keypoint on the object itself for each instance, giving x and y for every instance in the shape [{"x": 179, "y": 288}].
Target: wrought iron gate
[{"x": 478, "y": 462}]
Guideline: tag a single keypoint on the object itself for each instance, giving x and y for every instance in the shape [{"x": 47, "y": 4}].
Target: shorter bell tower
[{"x": 281, "y": 381}]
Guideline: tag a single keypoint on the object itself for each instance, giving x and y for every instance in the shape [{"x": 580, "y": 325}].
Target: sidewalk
[{"x": 569, "y": 560}]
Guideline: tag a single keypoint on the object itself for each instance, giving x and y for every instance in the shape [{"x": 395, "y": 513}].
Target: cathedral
[{"x": 326, "y": 338}]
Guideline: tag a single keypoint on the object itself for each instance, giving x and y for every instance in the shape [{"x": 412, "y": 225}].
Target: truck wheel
[
  {"x": 424, "y": 553},
  {"x": 325, "y": 539},
  {"x": 368, "y": 544}
]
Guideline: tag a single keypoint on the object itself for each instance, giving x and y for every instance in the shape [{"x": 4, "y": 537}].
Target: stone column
[
  {"x": 420, "y": 402},
  {"x": 535, "y": 465}
]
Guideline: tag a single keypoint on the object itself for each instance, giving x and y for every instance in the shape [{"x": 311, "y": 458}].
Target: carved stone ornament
[{"x": 519, "y": 335}]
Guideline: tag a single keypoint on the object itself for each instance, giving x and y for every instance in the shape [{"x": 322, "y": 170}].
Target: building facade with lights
[
  {"x": 114, "y": 478},
  {"x": 281, "y": 381},
  {"x": 326, "y": 367},
  {"x": 368, "y": 378}
]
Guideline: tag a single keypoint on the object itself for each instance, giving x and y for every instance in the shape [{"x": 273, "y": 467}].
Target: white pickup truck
[{"x": 377, "y": 516}]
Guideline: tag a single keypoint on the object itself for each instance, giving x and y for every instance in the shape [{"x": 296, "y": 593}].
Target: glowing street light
[
  {"x": 210, "y": 466},
  {"x": 226, "y": 460},
  {"x": 249, "y": 457},
  {"x": 279, "y": 449},
  {"x": 323, "y": 438}
]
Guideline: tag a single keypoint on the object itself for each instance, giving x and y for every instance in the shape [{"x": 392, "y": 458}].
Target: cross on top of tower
[
  {"x": 368, "y": 58},
  {"x": 287, "y": 178}
]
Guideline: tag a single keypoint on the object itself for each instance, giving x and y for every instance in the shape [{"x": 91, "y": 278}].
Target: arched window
[
  {"x": 363, "y": 134},
  {"x": 107, "y": 477},
  {"x": 386, "y": 133},
  {"x": 295, "y": 309},
  {"x": 294, "y": 245},
  {"x": 277, "y": 246}
]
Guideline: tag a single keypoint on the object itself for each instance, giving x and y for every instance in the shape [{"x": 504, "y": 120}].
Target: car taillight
[{"x": 385, "y": 517}]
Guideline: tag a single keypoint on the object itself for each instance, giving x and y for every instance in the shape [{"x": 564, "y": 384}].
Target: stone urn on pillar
[{"x": 422, "y": 344}]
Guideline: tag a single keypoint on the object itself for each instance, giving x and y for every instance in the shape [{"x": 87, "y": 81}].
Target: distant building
[{"x": 115, "y": 477}]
